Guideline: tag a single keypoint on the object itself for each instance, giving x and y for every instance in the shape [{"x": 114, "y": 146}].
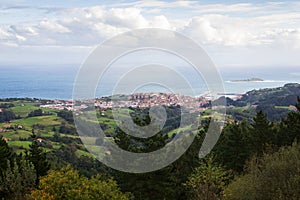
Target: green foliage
[
  {"x": 290, "y": 128},
  {"x": 7, "y": 115},
  {"x": 203, "y": 179},
  {"x": 273, "y": 177},
  {"x": 282, "y": 96},
  {"x": 207, "y": 182},
  {"x": 68, "y": 184},
  {"x": 17, "y": 175},
  {"x": 38, "y": 158},
  {"x": 46, "y": 121},
  {"x": 6, "y": 155},
  {"x": 152, "y": 185},
  {"x": 35, "y": 113},
  {"x": 78, "y": 159},
  {"x": 18, "y": 179},
  {"x": 165, "y": 183},
  {"x": 23, "y": 111},
  {"x": 261, "y": 133},
  {"x": 67, "y": 129},
  {"x": 66, "y": 115},
  {"x": 7, "y": 105},
  {"x": 233, "y": 147}
]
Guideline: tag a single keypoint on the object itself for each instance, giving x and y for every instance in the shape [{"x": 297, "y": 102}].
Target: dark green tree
[
  {"x": 35, "y": 113},
  {"x": 261, "y": 133},
  {"x": 66, "y": 115},
  {"x": 165, "y": 183},
  {"x": 7, "y": 115},
  {"x": 152, "y": 185},
  {"x": 232, "y": 149},
  {"x": 38, "y": 158},
  {"x": 290, "y": 128},
  {"x": 18, "y": 179},
  {"x": 6, "y": 155}
]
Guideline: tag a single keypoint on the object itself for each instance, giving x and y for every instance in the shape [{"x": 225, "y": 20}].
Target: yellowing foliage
[{"x": 68, "y": 184}]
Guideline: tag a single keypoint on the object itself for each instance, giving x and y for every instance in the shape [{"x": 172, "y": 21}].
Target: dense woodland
[{"x": 255, "y": 158}]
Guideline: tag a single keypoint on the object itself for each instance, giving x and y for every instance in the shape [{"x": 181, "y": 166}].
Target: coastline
[{"x": 64, "y": 92}]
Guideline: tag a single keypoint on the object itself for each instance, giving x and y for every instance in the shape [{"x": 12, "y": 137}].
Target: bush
[
  {"x": 274, "y": 176},
  {"x": 68, "y": 184}
]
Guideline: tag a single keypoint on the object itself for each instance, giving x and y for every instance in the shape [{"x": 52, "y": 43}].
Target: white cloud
[
  {"x": 221, "y": 8},
  {"x": 24, "y": 30},
  {"x": 92, "y": 13},
  {"x": 52, "y": 26},
  {"x": 159, "y": 4},
  {"x": 4, "y": 34},
  {"x": 235, "y": 31},
  {"x": 265, "y": 26},
  {"x": 221, "y": 30},
  {"x": 200, "y": 8},
  {"x": 202, "y": 30},
  {"x": 126, "y": 17},
  {"x": 82, "y": 26},
  {"x": 160, "y": 22},
  {"x": 288, "y": 38},
  {"x": 90, "y": 26}
]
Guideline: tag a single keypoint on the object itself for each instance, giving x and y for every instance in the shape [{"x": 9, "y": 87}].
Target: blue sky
[{"x": 234, "y": 33}]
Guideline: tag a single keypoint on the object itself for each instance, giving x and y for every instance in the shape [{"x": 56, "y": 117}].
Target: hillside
[
  {"x": 282, "y": 96},
  {"x": 275, "y": 102}
]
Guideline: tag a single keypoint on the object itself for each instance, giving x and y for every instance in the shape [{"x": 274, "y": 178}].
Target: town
[{"x": 141, "y": 100}]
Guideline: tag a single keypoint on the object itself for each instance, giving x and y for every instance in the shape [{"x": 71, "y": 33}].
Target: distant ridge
[{"x": 280, "y": 96}]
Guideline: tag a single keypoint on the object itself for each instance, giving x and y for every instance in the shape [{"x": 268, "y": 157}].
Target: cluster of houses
[
  {"x": 141, "y": 100},
  {"x": 61, "y": 105},
  {"x": 8, "y": 127},
  {"x": 144, "y": 100}
]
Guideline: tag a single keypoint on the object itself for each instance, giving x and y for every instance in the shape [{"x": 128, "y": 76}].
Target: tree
[
  {"x": 261, "y": 133},
  {"x": 207, "y": 182},
  {"x": 165, "y": 183},
  {"x": 18, "y": 179},
  {"x": 152, "y": 185},
  {"x": 66, "y": 115},
  {"x": 35, "y": 113},
  {"x": 232, "y": 149},
  {"x": 290, "y": 128},
  {"x": 38, "y": 158},
  {"x": 66, "y": 183},
  {"x": 6, "y": 155},
  {"x": 7, "y": 115},
  {"x": 275, "y": 176}
]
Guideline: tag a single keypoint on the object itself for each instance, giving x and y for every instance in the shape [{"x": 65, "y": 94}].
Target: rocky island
[{"x": 248, "y": 80}]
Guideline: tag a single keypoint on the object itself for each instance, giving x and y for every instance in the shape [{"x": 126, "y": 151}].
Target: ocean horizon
[{"x": 57, "y": 82}]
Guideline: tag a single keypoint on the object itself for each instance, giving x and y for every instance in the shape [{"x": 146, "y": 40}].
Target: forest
[{"x": 42, "y": 157}]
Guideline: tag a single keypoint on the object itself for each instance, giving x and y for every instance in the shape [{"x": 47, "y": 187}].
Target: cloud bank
[{"x": 247, "y": 25}]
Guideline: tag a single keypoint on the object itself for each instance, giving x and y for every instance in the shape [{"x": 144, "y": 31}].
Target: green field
[
  {"x": 19, "y": 144},
  {"x": 50, "y": 120},
  {"x": 48, "y": 125},
  {"x": 23, "y": 111},
  {"x": 284, "y": 107},
  {"x": 16, "y": 135},
  {"x": 80, "y": 153}
]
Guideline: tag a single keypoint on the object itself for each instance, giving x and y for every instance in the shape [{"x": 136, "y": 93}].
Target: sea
[{"x": 57, "y": 82}]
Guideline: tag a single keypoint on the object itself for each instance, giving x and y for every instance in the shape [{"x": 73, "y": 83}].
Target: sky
[{"x": 234, "y": 33}]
